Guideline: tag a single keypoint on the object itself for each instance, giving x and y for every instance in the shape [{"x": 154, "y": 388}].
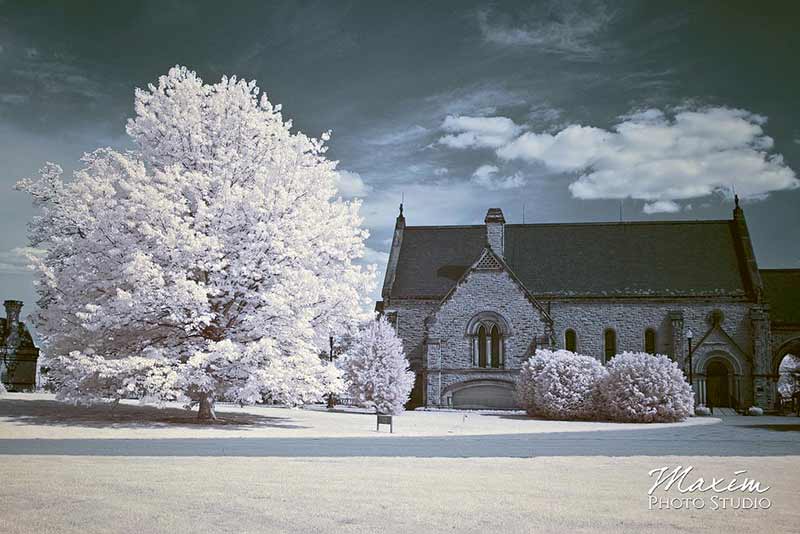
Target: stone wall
[
  {"x": 630, "y": 319},
  {"x": 430, "y": 334},
  {"x": 450, "y": 346},
  {"x": 411, "y": 316}
]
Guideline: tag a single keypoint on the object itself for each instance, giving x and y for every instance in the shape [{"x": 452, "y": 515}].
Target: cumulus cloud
[
  {"x": 656, "y": 157},
  {"x": 441, "y": 171},
  {"x": 558, "y": 26},
  {"x": 478, "y": 132},
  {"x": 486, "y": 176},
  {"x": 662, "y": 206},
  {"x": 350, "y": 184},
  {"x": 16, "y": 260}
]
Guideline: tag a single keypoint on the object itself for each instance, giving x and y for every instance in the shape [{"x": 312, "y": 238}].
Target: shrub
[
  {"x": 560, "y": 385},
  {"x": 702, "y": 410},
  {"x": 755, "y": 410},
  {"x": 645, "y": 388}
]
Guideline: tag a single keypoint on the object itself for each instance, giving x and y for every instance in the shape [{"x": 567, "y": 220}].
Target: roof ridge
[
  {"x": 444, "y": 227},
  {"x": 594, "y": 223},
  {"x": 627, "y": 223}
]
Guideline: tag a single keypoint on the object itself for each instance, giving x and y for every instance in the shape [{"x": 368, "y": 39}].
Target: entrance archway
[{"x": 718, "y": 381}]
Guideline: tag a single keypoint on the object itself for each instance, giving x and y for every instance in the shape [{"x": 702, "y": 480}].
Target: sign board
[{"x": 384, "y": 420}]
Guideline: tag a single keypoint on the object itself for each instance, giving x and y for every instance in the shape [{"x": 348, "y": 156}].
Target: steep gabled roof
[
  {"x": 433, "y": 258},
  {"x": 782, "y": 293},
  {"x": 673, "y": 258}
]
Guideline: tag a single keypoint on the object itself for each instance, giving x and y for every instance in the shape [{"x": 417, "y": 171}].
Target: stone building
[
  {"x": 472, "y": 303},
  {"x": 19, "y": 354}
]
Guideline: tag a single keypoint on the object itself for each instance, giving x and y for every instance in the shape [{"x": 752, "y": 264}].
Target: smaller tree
[
  {"x": 376, "y": 369},
  {"x": 645, "y": 388}
]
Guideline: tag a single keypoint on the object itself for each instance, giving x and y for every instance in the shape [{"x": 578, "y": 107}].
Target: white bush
[
  {"x": 376, "y": 369},
  {"x": 702, "y": 410},
  {"x": 755, "y": 410},
  {"x": 560, "y": 385},
  {"x": 645, "y": 388}
]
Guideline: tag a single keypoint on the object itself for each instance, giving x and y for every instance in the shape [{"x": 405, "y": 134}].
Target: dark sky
[{"x": 457, "y": 106}]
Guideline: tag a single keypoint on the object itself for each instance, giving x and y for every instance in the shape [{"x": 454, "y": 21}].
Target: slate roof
[
  {"x": 672, "y": 258},
  {"x": 782, "y": 293}
]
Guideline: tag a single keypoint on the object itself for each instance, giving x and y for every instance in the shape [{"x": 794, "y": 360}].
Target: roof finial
[
  {"x": 401, "y": 209},
  {"x": 736, "y": 200}
]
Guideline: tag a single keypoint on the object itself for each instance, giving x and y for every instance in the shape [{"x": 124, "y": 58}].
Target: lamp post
[
  {"x": 331, "y": 403},
  {"x": 689, "y": 336}
]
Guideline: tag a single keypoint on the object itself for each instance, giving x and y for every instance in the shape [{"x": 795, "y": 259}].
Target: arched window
[
  {"x": 482, "y": 346},
  {"x": 610, "y": 344},
  {"x": 495, "y": 347},
  {"x": 570, "y": 340},
  {"x": 487, "y": 343},
  {"x": 650, "y": 341}
]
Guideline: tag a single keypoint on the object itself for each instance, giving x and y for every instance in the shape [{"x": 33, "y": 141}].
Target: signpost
[{"x": 384, "y": 420}]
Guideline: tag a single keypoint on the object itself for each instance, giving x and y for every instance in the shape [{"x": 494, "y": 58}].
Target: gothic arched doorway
[{"x": 718, "y": 384}]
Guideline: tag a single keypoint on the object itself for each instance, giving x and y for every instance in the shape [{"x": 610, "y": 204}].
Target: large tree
[{"x": 210, "y": 263}]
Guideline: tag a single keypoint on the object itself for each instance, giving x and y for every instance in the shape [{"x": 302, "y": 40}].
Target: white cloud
[
  {"x": 441, "y": 171},
  {"x": 661, "y": 206},
  {"x": 652, "y": 156},
  {"x": 350, "y": 184},
  {"x": 478, "y": 132},
  {"x": 13, "y": 99},
  {"x": 557, "y": 26},
  {"x": 477, "y": 100},
  {"x": 399, "y": 137},
  {"x": 15, "y": 261},
  {"x": 372, "y": 256},
  {"x": 485, "y": 176}
]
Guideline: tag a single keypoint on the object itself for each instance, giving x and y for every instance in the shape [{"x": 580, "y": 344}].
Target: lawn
[{"x": 65, "y": 469}]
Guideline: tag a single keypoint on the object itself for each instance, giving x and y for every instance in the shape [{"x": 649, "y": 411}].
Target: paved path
[{"x": 734, "y": 436}]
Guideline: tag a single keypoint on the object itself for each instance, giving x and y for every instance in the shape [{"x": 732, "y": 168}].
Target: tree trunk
[{"x": 206, "y": 411}]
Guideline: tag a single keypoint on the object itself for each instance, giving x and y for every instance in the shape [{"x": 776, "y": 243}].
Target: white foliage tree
[
  {"x": 376, "y": 369},
  {"x": 210, "y": 263},
  {"x": 645, "y": 388}
]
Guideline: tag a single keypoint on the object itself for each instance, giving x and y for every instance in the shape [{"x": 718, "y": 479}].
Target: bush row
[{"x": 633, "y": 387}]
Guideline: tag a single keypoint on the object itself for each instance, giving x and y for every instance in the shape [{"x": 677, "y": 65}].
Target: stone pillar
[
  {"x": 433, "y": 365},
  {"x": 495, "y": 230},
  {"x": 13, "y": 309},
  {"x": 763, "y": 395},
  {"x": 678, "y": 338}
]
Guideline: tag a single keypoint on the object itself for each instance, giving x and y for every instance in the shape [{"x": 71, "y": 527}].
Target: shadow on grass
[
  {"x": 778, "y": 428},
  {"x": 51, "y": 412}
]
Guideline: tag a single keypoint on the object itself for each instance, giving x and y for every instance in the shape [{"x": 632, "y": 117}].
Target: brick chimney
[
  {"x": 495, "y": 230},
  {"x": 13, "y": 309}
]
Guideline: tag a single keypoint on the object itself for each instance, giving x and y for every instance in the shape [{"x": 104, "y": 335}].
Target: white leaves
[
  {"x": 560, "y": 385},
  {"x": 376, "y": 369},
  {"x": 218, "y": 246},
  {"x": 645, "y": 388}
]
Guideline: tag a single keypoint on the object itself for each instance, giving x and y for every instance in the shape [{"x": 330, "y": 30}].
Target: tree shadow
[{"x": 51, "y": 412}]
